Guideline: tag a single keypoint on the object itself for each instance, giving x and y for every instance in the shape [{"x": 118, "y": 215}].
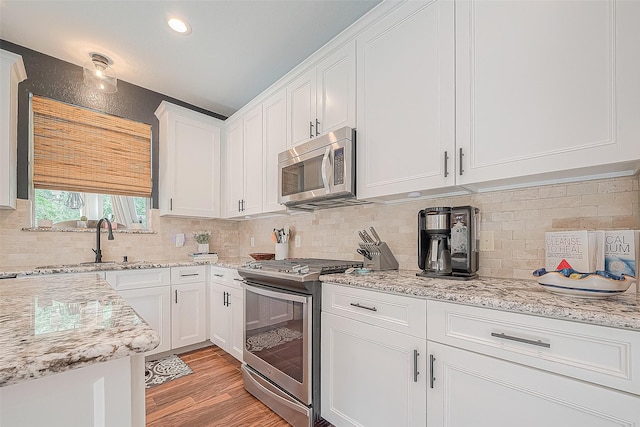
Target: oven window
[
  {"x": 302, "y": 176},
  {"x": 274, "y": 332}
]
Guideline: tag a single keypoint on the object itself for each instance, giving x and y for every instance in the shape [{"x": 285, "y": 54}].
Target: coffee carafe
[{"x": 448, "y": 242}]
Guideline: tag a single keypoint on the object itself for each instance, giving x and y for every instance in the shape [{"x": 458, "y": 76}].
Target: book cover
[
  {"x": 567, "y": 249},
  {"x": 621, "y": 250}
]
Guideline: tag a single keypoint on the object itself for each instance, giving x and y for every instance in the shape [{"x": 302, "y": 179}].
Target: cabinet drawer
[
  {"x": 191, "y": 274},
  {"x": 394, "y": 312},
  {"x": 225, "y": 276},
  {"x": 599, "y": 354},
  {"x": 136, "y": 279}
]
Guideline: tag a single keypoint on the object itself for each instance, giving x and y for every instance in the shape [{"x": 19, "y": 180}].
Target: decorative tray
[{"x": 599, "y": 284}]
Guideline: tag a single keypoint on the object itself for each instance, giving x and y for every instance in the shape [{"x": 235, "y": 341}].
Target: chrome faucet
[{"x": 97, "y": 250}]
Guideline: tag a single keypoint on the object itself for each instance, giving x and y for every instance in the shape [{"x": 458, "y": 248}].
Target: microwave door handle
[{"x": 325, "y": 162}]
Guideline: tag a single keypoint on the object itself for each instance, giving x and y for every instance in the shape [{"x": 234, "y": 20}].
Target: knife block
[{"x": 381, "y": 257}]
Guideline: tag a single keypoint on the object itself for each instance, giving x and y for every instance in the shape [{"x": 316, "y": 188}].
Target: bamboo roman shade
[{"x": 75, "y": 149}]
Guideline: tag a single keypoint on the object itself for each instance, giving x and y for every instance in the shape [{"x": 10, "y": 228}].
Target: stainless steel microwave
[{"x": 319, "y": 173}]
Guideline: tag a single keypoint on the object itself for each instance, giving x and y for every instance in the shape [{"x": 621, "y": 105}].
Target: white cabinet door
[
  {"x": 154, "y": 306},
  {"x": 470, "y": 389},
  {"x": 236, "y": 336},
  {"x": 274, "y": 118},
  {"x": 301, "y": 107},
  {"x": 405, "y": 108},
  {"x": 188, "y": 314},
  {"x": 189, "y": 162},
  {"x": 227, "y": 319},
  {"x": 234, "y": 168},
  {"x": 541, "y": 92},
  {"x": 220, "y": 316},
  {"x": 12, "y": 72},
  {"x": 370, "y": 376},
  {"x": 324, "y": 98},
  {"x": 336, "y": 90},
  {"x": 253, "y": 162}
]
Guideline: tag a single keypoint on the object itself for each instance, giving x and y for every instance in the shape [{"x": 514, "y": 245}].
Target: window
[{"x": 87, "y": 163}]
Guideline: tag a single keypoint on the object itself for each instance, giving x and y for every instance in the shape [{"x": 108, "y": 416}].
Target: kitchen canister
[{"x": 282, "y": 250}]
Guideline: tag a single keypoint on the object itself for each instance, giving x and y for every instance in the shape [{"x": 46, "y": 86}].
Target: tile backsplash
[{"x": 517, "y": 219}]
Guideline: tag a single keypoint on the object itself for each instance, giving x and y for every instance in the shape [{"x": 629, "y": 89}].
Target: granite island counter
[{"x": 71, "y": 351}]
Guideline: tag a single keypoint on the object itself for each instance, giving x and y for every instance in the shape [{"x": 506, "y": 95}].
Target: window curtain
[
  {"x": 76, "y": 149},
  {"x": 124, "y": 210}
]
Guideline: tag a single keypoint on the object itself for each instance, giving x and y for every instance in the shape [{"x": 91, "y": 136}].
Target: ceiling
[{"x": 236, "y": 49}]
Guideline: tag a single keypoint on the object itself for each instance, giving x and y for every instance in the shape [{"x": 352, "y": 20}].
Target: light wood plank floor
[{"x": 213, "y": 395}]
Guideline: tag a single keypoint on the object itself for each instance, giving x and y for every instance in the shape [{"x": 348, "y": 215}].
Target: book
[
  {"x": 580, "y": 250},
  {"x": 621, "y": 253}
]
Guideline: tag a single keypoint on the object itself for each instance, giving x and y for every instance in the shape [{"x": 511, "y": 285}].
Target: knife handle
[{"x": 375, "y": 234}]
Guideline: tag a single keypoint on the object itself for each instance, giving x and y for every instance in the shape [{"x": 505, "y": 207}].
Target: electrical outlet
[
  {"x": 180, "y": 238},
  {"x": 298, "y": 241},
  {"x": 486, "y": 241},
  {"x": 253, "y": 241}
]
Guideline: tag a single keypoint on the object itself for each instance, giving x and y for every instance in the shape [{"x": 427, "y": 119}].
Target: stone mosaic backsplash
[{"x": 518, "y": 219}]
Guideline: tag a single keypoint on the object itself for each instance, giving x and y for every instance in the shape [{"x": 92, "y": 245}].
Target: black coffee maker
[{"x": 448, "y": 242}]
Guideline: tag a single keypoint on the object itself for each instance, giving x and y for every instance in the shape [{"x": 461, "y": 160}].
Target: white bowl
[{"x": 591, "y": 286}]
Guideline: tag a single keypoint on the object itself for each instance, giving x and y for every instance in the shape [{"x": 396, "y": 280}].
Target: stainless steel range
[{"x": 282, "y": 304}]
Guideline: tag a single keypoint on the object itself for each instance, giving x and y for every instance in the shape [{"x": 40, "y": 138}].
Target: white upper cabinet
[
  {"x": 405, "y": 108},
  {"x": 12, "y": 72},
  {"x": 274, "y": 119},
  {"x": 189, "y": 162},
  {"x": 323, "y": 98},
  {"x": 244, "y": 165},
  {"x": 544, "y": 90}
]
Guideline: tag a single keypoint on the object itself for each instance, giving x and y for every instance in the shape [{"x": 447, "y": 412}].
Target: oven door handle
[
  {"x": 325, "y": 161},
  {"x": 249, "y": 287}
]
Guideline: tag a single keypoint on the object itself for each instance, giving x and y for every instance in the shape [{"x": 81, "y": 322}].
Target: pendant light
[{"x": 99, "y": 75}]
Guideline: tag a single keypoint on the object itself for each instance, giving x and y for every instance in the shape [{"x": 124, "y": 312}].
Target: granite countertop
[
  {"x": 523, "y": 296},
  {"x": 51, "y": 324},
  {"x": 110, "y": 266}
]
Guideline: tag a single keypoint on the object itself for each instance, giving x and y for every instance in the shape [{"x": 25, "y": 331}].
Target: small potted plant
[
  {"x": 82, "y": 223},
  {"x": 202, "y": 239}
]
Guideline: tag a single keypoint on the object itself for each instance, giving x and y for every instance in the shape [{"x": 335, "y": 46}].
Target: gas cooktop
[{"x": 295, "y": 269}]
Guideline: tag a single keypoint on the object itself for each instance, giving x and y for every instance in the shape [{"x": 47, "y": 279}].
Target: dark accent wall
[{"x": 56, "y": 79}]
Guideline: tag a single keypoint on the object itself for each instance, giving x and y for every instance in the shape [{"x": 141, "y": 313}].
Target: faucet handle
[{"x": 94, "y": 251}]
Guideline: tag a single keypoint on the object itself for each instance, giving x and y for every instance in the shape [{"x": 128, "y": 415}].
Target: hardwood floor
[{"x": 213, "y": 395}]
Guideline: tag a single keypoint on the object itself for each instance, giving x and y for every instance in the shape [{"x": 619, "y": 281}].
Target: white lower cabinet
[
  {"x": 226, "y": 310},
  {"x": 496, "y": 368},
  {"x": 172, "y": 301},
  {"x": 148, "y": 291},
  {"x": 189, "y": 305},
  {"x": 371, "y": 375},
  {"x": 154, "y": 306},
  {"x": 471, "y": 389}
]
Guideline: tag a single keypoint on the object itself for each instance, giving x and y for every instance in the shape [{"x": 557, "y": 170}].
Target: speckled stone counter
[
  {"x": 55, "y": 323},
  {"x": 524, "y": 296},
  {"x": 110, "y": 266}
]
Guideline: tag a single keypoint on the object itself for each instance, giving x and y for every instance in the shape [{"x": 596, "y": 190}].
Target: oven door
[
  {"x": 277, "y": 338},
  {"x": 325, "y": 172}
]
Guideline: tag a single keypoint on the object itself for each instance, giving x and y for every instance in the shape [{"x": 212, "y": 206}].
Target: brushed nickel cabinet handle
[
  {"x": 446, "y": 160},
  {"x": 504, "y": 336},
  {"x": 461, "y": 154},
  {"x": 432, "y": 378},
  {"x": 176, "y": 296},
  {"x": 415, "y": 366},
  {"x": 357, "y": 304},
  {"x": 317, "y": 127},
  {"x": 310, "y": 129}
]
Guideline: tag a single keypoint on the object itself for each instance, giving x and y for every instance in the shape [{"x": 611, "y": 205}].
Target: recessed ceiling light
[{"x": 179, "y": 26}]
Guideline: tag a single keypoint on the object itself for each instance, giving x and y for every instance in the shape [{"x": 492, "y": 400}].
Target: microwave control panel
[{"x": 338, "y": 166}]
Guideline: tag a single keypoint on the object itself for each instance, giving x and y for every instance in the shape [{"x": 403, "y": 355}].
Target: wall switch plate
[
  {"x": 179, "y": 240},
  {"x": 487, "y": 240},
  {"x": 298, "y": 241},
  {"x": 253, "y": 241}
]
